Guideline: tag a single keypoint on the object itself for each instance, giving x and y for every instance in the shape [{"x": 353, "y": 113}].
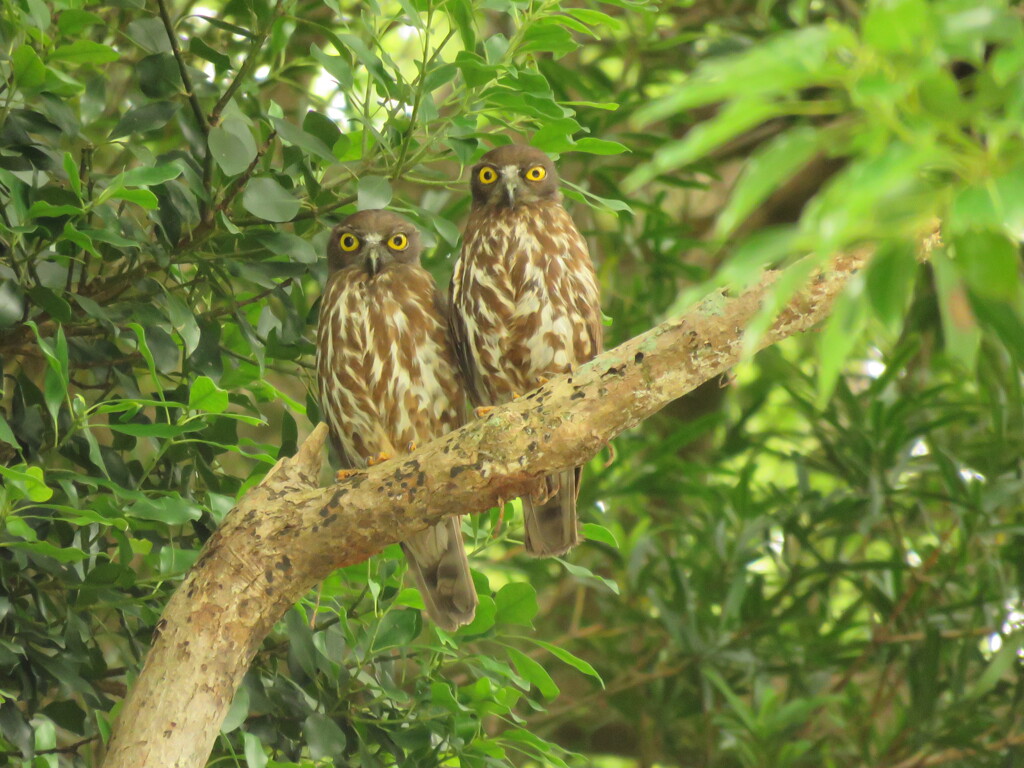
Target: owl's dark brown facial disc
[
  {"x": 513, "y": 175},
  {"x": 373, "y": 239}
]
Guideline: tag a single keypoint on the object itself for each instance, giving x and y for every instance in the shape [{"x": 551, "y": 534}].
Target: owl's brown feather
[
  {"x": 388, "y": 378},
  {"x": 525, "y": 306}
]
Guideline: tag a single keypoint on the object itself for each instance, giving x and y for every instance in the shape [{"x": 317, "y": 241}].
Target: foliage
[{"x": 817, "y": 565}]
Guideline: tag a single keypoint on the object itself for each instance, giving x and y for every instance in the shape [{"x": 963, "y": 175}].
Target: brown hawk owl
[
  {"x": 388, "y": 380},
  {"x": 524, "y": 306}
]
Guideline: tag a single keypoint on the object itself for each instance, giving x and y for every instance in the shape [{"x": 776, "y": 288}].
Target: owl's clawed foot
[
  {"x": 542, "y": 380},
  {"x": 380, "y": 457},
  {"x": 483, "y": 410},
  {"x": 345, "y": 474},
  {"x": 410, "y": 446},
  {"x": 515, "y": 396}
]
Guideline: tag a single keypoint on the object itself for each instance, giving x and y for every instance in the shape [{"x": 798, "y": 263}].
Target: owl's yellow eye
[
  {"x": 398, "y": 242},
  {"x": 348, "y": 242},
  {"x": 536, "y": 173},
  {"x": 487, "y": 175}
]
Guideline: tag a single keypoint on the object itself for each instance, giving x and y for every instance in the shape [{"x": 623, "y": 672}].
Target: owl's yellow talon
[
  {"x": 542, "y": 380},
  {"x": 515, "y": 396},
  {"x": 411, "y": 446},
  {"x": 380, "y": 457},
  {"x": 345, "y": 474},
  {"x": 483, "y": 410}
]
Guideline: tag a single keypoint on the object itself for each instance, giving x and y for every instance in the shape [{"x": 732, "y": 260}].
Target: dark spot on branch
[
  {"x": 613, "y": 371},
  {"x": 569, "y": 380},
  {"x": 577, "y": 395},
  {"x": 268, "y": 574},
  {"x": 547, "y": 437},
  {"x": 456, "y": 471},
  {"x": 421, "y": 478},
  {"x": 532, "y": 446},
  {"x": 331, "y": 519},
  {"x": 638, "y": 358},
  {"x": 284, "y": 564}
]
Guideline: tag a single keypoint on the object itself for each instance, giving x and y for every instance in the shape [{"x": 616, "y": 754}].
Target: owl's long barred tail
[
  {"x": 550, "y": 524},
  {"x": 437, "y": 559}
]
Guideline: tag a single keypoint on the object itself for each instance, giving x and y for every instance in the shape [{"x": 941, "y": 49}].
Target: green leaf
[
  {"x": 6, "y": 435},
  {"x": 141, "y": 197},
  {"x": 220, "y": 61},
  {"x": 784, "y": 63},
  {"x": 735, "y": 118},
  {"x": 150, "y": 176},
  {"x": 71, "y": 171},
  {"x": 157, "y": 430},
  {"x": 898, "y": 26},
  {"x": 170, "y": 509},
  {"x": 324, "y": 738},
  {"x": 29, "y": 70},
  {"x": 586, "y": 573},
  {"x": 483, "y": 621},
  {"x": 146, "y": 118},
  {"x": 600, "y": 146},
  {"x": 255, "y": 756},
  {"x": 56, "y": 306},
  {"x": 842, "y": 332},
  {"x": 765, "y": 171},
  {"x": 158, "y": 76},
  {"x": 1004, "y": 660},
  {"x": 960, "y": 328},
  {"x": 516, "y": 604},
  {"x": 268, "y": 200},
  {"x": 397, "y": 629},
  {"x": 299, "y": 138},
  {"x": 44, "y": 548},
  {"x": 890, "y": 281},
  {"x": 373, "y": 192},
  {"x": 207, "y": 397},
  {"x": 573, "y": 661},
  {"x": 73, "y": 21},
  {"x": 85, "y": 52},
  {"x": 232, "y": 146},
  {"x": 29, "y": 481},
  {"x": 237, "y": 712},
  {"x": 595, "y": 532},
  {"x": 43, "y": 209},
  {"x": 533, "y": 672},
  {"x": 989, "y": 263}
]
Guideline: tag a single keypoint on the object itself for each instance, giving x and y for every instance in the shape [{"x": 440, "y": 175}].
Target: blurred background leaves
[{"x": 814, "y": 562}]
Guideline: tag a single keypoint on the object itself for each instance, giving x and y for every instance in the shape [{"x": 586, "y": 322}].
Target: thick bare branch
[{"x": 286, "y": 534}]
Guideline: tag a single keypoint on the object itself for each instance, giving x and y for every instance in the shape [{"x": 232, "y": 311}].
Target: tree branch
[{"x": 286, "y": 534}]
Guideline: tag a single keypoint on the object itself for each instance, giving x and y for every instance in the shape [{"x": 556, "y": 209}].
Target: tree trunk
[{"x": 286, "y": 535}]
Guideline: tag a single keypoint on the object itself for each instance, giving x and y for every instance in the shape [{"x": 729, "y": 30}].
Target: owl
[
  {"x": 388, "y": 380},
  {"x": 525, "y": 305}
]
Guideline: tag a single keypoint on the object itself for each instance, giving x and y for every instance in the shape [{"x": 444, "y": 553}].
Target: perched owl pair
[{"x": 393, "y": 360}]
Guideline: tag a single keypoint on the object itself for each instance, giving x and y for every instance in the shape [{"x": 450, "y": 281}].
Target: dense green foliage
[{"x": 816, "y": 563}]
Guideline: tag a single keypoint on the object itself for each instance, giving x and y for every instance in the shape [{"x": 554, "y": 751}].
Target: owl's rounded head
[
  {"x": 373, "y": 240},
  {"x": 514, "y": 175}
]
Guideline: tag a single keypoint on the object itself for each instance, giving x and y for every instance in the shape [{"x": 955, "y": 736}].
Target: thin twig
[{"x": 197, "y": 109}]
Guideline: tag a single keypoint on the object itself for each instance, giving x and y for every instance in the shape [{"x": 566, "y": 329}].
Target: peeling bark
[{"x": 286, "y": 534}]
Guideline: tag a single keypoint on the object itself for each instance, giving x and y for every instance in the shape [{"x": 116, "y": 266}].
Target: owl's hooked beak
[
  {"x": 510, "y": 181},
  {"x": 374, "y": 257}
]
